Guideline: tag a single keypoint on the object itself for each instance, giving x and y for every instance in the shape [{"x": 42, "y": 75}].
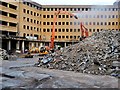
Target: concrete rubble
[
  {"x": 98, "y": 54},
  {"x": 6, "y": 55}
]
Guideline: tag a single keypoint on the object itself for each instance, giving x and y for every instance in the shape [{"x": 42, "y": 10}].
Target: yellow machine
[{"x": 41, "y": 50}]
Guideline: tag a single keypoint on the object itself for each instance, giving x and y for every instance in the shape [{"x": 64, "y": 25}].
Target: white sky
[{"x": 75, "y": 2}]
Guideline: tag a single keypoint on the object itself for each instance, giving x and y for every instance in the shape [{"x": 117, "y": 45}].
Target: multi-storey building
[
  {"x": 25, "y": 23},
  {"x": 8, "y": 22},
  {"x": 94, "y": 18}
]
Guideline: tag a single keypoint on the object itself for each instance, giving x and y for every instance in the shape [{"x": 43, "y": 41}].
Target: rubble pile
[
  {"x": 4, "y": 55},
  {"x": 97, "y": 54}
]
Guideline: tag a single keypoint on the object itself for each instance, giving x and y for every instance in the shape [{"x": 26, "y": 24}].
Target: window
[
  {"x": 55, "y": 30},
  {"x": 31, "y": 28},
  {"x": 37, "y": 29},
  {"x": 27, "y": 19},
  {"x": 44, "y": 23},
  {"x": 67, "y": 16},
  {"x": 93, "y": 30},
  {"x": 63, "y": 30},
  {"x": 51, "y": 23},
  {"x": 31, "y": 13},
  {"x": 67, "y": 30},
  {"x": 12, "y": 6},
  {"x": 70, "y": 30},
  {"x": 109, "y": 23},
  {"x": 105, "y": 23},
  {"x": 44, "y": 30},
  {"x": 59, "y": 16},
  {"x": 63, "y": 16},
  {"x": 56, "y": 37},
  {"x": 59, "y": 23},
  {"x": 24, "y": 10},
  {"x": 78, "y": 30},
  {"x": 113, "y": 23},
  {"x": 48, "y": 9},
  {"x": 63, "y": 36},
  {"x": 63, "y": 23},
  {"x": 27, "y": 27},
  {"x": 24, "y": 18},
  {"x": 31, "y": 20},
  {"x": 97, "y": 30},
  {"x": 24, "y": 27},
  {"x": 74, "y": 30},
  {"x": 44, "y": 16},
  {"x": 59, "y": 36},
  {"x": 37, "y": 22},
  {"x": 48, "y": 16},
  {"x": 67, "y": 23},
  {"x": 70, "y": 23},
  {"x": 48, "y": 23},
  {"x": 27, "y": 11},
  {"x": 48, "y": 30},
  {"x": 66, "y": 36},
  {"x": 59, "y": 30},
  {"x": 70, "y": 37},
  {"x": 74, "y": 37},
  {"x": 34, "y": 21},
  {"x": 90, "y": 30},
  {"x": 51, "y": 16},
  {"x": 113, "y": 16}
]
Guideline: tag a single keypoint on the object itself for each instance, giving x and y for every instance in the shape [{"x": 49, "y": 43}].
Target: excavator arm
[
  {"x": 54, "y": 21},
  {"x": 84, "y": 31}
]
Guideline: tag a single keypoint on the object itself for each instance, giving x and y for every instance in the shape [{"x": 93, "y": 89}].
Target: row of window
[
  {"x": 78, "y": 23},
  {"x": 31, "y": 12},
  {"x": 73, "y": 30},
  {"x": 81, "y": 9},
  {"x": 67, "y": 37},
  {"x": 31, "y": 28},
  {"x": 8, "y": 14},
  {"x": 8, "y": 23},
  {"x": 84, "y": 16},
  {"x": 32, "y": 5},
  {"x": 8, "y": 5},
  {"x": 31, "y": 20}
]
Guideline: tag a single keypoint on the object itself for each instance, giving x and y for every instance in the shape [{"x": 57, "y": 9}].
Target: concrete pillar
[
  {"x": 23, "y": 46},
  {"x": 32, "y": 44},
  {"x": 9, "y": 45},
  {"x": 37, "y": 44},
  {"x": 18, "y": 45},
  {"x": 65, "y": 44}
]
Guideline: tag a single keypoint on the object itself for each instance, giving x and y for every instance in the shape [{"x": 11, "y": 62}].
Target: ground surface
[{"x": 23, "y": 74}]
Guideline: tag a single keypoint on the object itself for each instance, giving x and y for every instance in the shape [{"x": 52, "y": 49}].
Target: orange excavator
[
  {"x": 84, "y": 32},
  {"x": 53, "y": 28}
]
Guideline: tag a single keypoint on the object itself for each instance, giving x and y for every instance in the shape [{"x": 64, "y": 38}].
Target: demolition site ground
[{"x": 92, "y": 63}]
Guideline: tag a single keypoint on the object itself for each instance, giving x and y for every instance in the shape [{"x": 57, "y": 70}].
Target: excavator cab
[{"x": 43, "y": 51}]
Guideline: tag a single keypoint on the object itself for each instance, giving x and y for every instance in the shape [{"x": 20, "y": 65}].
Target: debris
[{"x": 97, "y": 54}]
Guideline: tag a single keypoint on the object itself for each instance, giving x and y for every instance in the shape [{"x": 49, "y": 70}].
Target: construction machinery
[
  {"x": 40, "y": 51},
  {"x": 84, "y": 32},
  {"x": 54, "y": 22}
]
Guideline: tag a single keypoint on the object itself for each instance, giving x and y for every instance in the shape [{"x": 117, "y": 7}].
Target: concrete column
[
  {"x": 65, "y": 44},
  {"x": 9, "y": 45},
  {"x": 37, "y": 44},
  {"x": 32, "y": 44},
  {"x": 18, "y": 45},
  {"x": 23, "y": 46}
]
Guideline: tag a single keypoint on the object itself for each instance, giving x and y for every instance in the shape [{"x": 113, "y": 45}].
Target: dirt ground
[{"x": 23, "y": 74}]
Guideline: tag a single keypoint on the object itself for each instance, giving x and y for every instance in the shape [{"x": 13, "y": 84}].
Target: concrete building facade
[{"x": 24, "y": 23}]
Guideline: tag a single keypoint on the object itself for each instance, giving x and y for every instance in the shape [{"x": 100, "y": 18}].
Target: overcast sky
[{"x": 75, "y": 2}]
